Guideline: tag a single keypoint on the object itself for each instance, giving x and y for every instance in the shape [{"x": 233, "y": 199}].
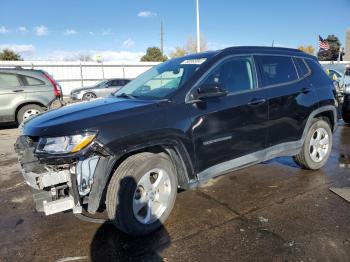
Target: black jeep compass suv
[{"x": 177, "y": 125}]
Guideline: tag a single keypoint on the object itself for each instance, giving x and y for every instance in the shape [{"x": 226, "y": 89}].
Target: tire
[
  {"x": 28, "y": 111},
  {"x": 127, "y": 192},
  {"x": 316, "y": 148},
  {"x": 89, "y": 96}
]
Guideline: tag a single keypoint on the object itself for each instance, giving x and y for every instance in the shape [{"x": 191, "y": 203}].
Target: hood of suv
[
  {"x": 85, "y": 116},
  {"x": 83, "y": 89}
]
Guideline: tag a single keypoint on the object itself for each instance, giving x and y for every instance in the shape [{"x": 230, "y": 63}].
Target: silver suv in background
[
  {"x": 25, "y": 93},
  {"x": 101, "y": 89}
]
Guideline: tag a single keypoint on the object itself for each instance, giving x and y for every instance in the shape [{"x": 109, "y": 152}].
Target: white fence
[{"x": 71, "y": 75}]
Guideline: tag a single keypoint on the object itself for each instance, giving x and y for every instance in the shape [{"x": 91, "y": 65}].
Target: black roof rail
[{"x": 262, "y": 48}]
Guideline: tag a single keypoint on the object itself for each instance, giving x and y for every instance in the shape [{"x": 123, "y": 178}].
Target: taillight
[{"x": 56, "y": 91}]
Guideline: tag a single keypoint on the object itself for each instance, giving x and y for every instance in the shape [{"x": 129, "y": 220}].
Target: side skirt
[{"x": 284, "y": 149}]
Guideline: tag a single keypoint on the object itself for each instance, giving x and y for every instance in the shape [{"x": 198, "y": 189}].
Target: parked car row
[{"x": 27, "y": 92}]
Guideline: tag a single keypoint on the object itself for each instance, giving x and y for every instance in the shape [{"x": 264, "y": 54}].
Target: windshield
[
  {"x": 164, "y": 79},
  {"x": 102, "y": 83}
]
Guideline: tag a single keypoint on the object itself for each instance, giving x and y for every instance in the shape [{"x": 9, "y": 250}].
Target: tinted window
[
  {"x": 233, "y": 75},
  {"x": 9, "y": 80},
  {"x": 113, "y": 83},
  {"x": 31, "y": 81},
  {"x": 277, "y": 69},
  {"x": 303, "y": 70}
]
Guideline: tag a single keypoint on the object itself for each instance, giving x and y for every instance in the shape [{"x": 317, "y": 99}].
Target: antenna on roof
[{"x": 273, "y": 43}]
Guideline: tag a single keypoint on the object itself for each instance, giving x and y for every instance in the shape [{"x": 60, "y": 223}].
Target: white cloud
[
  {"x": 69, "y": 32},
  {"x": 106, "y": 55},
  {"x": 128, "y": 43},
  {"x": 4, "y": 30},
  {"x": 22, "y": 29},
  {"x": 41, "y": 30},
  {"x": 91, "y": 33},
  {"x": 21, "y": 49},
  {"x": 146, "y": 14}
]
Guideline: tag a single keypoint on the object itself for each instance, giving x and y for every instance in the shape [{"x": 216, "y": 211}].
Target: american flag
[{"x": 323, "y": 44}]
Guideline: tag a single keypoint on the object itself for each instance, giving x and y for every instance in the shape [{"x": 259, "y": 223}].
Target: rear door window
[
  {"x": 9, "y": 80},
  {"x": 276, "y": 70}
]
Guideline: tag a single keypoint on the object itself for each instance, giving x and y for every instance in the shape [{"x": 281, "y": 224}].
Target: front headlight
[{"x": 64, "y": 144}]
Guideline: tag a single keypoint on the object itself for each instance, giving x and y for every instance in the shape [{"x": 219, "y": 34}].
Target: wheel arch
[
  {"x": 172, "y": 148},
  {"x": 330, "y": 115},
  {"x": 15, "y": 116}
]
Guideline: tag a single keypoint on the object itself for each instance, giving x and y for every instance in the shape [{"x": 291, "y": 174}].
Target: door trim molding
[{"x": 284, "y": 149}]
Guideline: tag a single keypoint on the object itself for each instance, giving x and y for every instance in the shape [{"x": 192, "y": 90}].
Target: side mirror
[{"x": 212, "y": 90}]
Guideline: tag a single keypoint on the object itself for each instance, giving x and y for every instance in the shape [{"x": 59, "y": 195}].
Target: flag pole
[{"x": 198, "y": 29}]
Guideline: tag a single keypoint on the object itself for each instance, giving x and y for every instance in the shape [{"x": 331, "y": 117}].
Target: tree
[
  {"x": 10, "y": 55},
  {"x": 154, "y": 54},
  {"x": 333, "y": 52},
  {"x": 309, "y": 49},
  {"x": 189, "y": 47},
  {"x": 178, "y": 52}
]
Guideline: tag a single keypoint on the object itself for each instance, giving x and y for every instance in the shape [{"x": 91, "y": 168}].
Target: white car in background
[{"x": 101, "y": 89}]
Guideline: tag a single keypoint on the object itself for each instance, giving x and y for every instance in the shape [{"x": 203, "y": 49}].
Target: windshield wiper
[{"x": 125, "y": 95}]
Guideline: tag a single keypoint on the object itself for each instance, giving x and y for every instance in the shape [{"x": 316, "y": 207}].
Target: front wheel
[
  {"x": 89, "y": 96},
  {"x": 317, "y": 146},
  {"x": 142, "y": 193}
]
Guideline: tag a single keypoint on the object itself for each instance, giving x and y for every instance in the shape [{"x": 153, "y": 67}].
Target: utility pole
[
  {"x": 198, "y": 29},
  {"x": 161, "y": 37}
]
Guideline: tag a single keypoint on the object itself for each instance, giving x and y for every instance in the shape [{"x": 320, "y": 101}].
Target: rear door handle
[
  {"x": 256, "y": 101},
  {"x": 18, "y": 90}
]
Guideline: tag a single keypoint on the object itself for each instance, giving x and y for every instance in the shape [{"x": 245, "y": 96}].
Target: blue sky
[{"x": 123, "y": 29}]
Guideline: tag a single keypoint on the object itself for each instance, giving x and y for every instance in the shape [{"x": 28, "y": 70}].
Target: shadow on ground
[{"x": 110, "y": 244}]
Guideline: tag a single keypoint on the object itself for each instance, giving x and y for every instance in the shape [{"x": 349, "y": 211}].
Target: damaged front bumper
[{"x": 61, "y": 184}]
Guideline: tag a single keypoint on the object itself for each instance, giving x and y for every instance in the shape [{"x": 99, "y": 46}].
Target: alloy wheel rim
[
  {"x": 29, "y": 113},
  {"x": 319, "y": 145},
  {"x": 89, "y": 96},
  {"x": 152, "y": 196}
]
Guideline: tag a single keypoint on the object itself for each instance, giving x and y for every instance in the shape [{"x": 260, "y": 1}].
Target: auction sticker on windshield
[{"x": 193, "y": 61}]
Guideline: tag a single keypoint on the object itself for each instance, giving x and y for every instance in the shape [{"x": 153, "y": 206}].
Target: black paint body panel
[{"x": 205, "y": 133}]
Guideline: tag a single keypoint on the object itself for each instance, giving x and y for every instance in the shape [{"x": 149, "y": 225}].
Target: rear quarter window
[
  {"x": 31, "y": 81},
  {"x": 302, "y": 67},
  {"x": 276, "y": 70},
  {"x": 319, "y": 76}
]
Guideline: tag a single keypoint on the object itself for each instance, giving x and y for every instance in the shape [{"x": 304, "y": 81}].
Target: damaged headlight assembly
[{"x": 64, "y": 144}]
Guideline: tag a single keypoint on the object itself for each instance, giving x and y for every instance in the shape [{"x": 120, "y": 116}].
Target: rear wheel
[
  {"x": 317, "y": 146},
  {"x": 89, "y": 96},
  {"x": 142, "y": 193},
  {"x": 28, "y": 111}
]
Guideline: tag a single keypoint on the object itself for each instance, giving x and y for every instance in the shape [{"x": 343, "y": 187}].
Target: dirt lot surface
[{"x": 273, "y": 211}]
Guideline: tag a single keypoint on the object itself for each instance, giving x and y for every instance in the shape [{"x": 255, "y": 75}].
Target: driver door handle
[
  {"x": 256, "y": 101},
  {"x": 18, "y": 90}
]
